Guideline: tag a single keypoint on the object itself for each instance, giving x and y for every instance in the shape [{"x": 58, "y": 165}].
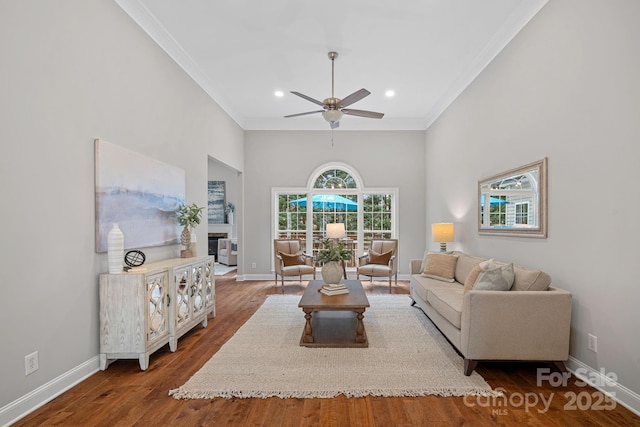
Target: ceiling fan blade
[
  {"x": 334, "y": 124},
  {"x": 304, "y": 114},
  {"x": 354, "y": 97},
  {"x": 363, "y": 113},
  {"x": 308, "y": 98}
]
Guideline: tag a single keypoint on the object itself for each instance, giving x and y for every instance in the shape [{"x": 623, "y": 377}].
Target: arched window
[
  {"x": 337, "y": 195},
  {"x": 335, "y": 179}
]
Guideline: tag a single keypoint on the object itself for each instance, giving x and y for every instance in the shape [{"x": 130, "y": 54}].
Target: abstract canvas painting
[
  {"x": 140, "y": 194},
  {"x": 216, "y": 202}
]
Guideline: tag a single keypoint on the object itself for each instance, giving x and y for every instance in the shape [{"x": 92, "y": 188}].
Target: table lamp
[
  {"x": 335, "y": 230},
  {"x": 442, "y": 233}
]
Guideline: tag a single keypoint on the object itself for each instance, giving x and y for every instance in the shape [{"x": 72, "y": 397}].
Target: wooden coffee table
[{"x": 336, "y": 320}]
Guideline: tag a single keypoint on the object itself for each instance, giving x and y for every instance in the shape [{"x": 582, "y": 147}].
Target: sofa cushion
[
  {"x": 375, "y": 270},
  {"x": 440, "y": 266},
  {"x": 382, "y": 259},
  {"x": 530, "y": 280},
  {"x": 447, "y": 300},
  {"x": 292, "y": 259},
  {"x": 499, "y": 278},
  {"x": 465, "y": 264}
]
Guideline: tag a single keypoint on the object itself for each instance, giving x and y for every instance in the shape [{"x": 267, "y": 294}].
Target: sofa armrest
[
  {"x": 414, "y": 266},
  {"x": 516, "y": 325}
]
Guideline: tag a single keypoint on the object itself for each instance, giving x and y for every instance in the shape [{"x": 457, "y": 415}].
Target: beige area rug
[{"x": 407, "y": 356}]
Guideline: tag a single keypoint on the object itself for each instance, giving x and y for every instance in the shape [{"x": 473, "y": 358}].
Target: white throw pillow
[{"x": 499, "y": 278}]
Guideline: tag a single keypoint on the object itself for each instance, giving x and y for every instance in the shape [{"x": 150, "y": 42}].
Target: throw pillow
[
  {"x": 382, "y": 259},
  {"x": 440, "y": 266},
  {"x": 495, "y": 279},
  {"x": 292, "y": 259},
  {"x": 472, "y": 277},
  {"x": 475, "y": 272}
]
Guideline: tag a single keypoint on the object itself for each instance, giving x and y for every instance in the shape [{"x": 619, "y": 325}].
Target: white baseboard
[
  {"x": 598, "y": 380},
  {"x": 31, "y": 401}
]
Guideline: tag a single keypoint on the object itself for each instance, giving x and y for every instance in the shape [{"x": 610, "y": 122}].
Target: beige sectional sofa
[{"x": 530, "y": 322}]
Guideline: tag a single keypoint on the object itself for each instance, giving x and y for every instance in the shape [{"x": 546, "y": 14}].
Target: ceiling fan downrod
[{"x": 332, "y": 57}]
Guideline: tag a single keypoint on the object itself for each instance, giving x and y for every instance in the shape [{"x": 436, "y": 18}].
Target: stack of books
[{"x": 334, "y": 289}]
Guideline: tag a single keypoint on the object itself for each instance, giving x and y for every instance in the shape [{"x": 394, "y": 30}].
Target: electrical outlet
[
  {"x": 31, "y": 363},
  {"x": 253, "y": 265},
  {"x": 593, "y": 343}
]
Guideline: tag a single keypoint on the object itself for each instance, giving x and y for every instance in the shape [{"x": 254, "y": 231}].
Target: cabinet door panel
[
  {"x": 182, "y": 297},
  {"x": 157, "y": 317},
  {"x": 198, "y": 288}
]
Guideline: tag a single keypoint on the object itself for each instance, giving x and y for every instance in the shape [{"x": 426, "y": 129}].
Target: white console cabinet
[{"x": 156, "y": 304}]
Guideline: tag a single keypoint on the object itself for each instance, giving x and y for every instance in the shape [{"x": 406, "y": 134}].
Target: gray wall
[
  {"x": 566, "y": 88},
  {"x": 73, "y": 71},
  {"x": 287, "y": 159}
]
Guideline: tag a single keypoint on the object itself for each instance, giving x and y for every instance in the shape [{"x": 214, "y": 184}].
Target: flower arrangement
[{"x": 332, "y": 252}]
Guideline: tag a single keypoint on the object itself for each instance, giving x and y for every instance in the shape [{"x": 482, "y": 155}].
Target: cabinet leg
[
  {"x": 173, "y": 344},
  {"x": 143, "y": 358},
  {"x": 103, "y": 361}
]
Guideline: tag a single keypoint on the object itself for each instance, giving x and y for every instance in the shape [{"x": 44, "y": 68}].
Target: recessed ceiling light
[
  {"x": 279, "y": 93},
  {"x": 390, "y": 93}
]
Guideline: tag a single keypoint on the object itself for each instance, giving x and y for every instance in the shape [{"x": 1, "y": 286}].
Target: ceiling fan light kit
[{"x": 334, "y": 108}]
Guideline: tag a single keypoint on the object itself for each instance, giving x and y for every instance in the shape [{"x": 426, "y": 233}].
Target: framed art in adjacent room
[{"x": 216, "y": 202}]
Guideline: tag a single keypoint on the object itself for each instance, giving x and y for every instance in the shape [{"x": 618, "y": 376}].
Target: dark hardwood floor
[{"x": 123, "y": 395}]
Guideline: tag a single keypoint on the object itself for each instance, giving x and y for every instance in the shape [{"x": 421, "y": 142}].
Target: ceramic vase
[
  {"x": 185, "y": 239},
  {"x": 331, "y": 272},
  {"x": 115, "y": 250}
]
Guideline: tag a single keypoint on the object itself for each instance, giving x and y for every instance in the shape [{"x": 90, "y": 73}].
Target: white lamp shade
[
  {"x": 442, "y": 232},
  {"x": 335, "y": 230}
]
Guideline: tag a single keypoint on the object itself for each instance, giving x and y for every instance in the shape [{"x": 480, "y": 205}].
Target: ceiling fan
[{"x": 333, "y": 108}]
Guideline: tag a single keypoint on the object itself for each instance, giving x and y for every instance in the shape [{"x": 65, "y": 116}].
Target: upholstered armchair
[
  {"x": 380, "y": 261},
  {"x": 290, "y": 260},
  {"x": 228, "y": 251}
]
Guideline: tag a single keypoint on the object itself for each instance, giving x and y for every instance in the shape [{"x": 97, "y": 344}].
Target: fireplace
[{"x": 213, "y": 243}]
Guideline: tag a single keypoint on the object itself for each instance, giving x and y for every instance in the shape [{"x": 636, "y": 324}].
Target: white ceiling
[{"x": 241, "y": 51}]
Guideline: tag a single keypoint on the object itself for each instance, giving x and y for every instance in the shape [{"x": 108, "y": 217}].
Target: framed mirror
[{"x": 514, "y": 203}]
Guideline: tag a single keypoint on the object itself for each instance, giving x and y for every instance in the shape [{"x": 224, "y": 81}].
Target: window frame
[{"x": 359, "y": 191}]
